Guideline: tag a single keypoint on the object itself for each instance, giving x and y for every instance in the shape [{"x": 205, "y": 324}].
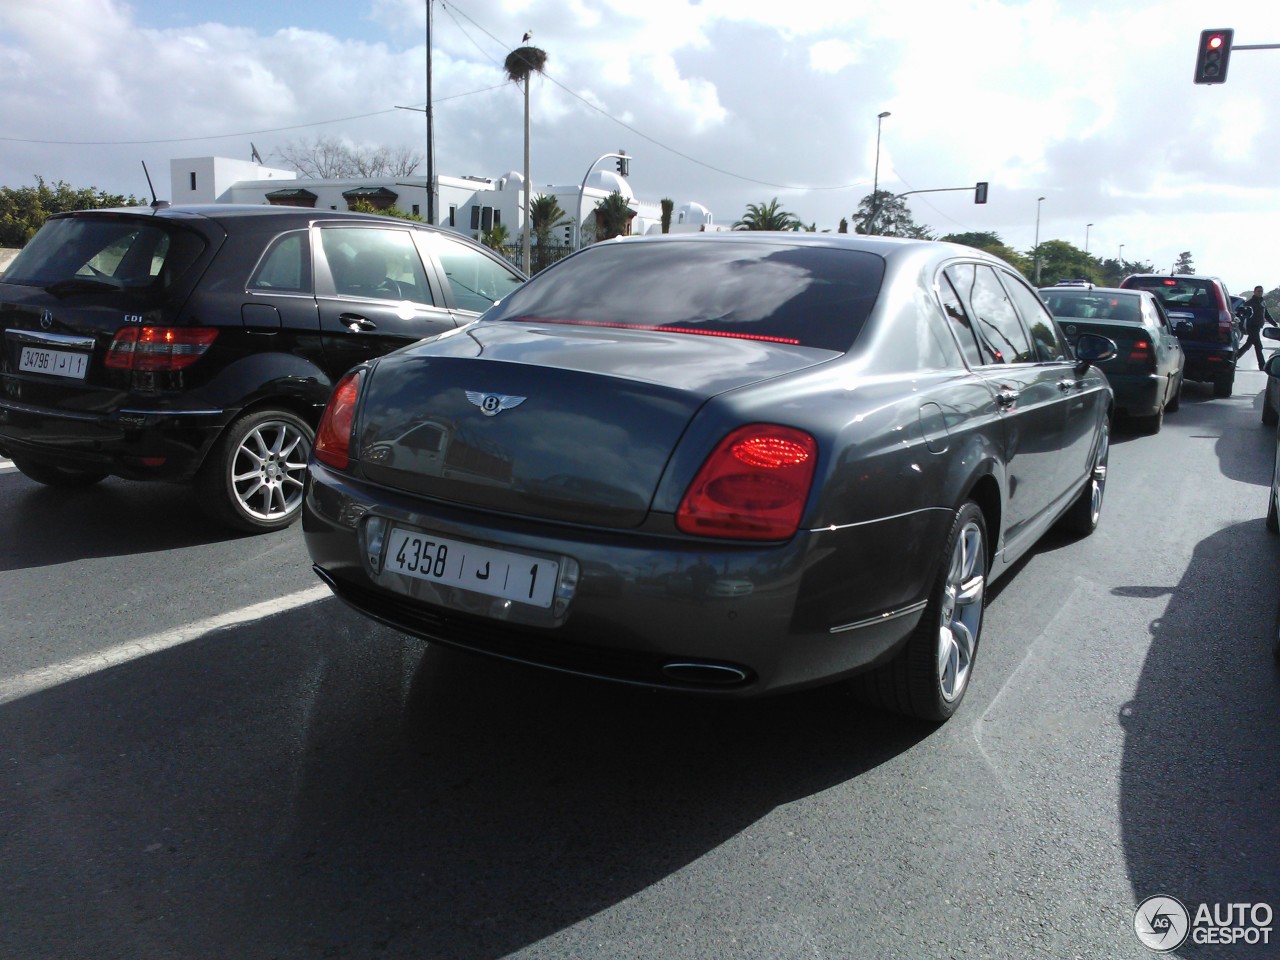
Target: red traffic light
[{"x": 1213, "y": 55}]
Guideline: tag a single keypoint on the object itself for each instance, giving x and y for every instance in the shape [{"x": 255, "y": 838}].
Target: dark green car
[{"x": 1146, "y": 372}]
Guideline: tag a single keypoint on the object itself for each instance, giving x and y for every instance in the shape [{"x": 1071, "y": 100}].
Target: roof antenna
[
  {"x": 254, "y": 154},
  {"x": 155, "y": 204}
]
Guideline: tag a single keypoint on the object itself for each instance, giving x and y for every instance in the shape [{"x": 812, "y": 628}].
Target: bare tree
[{"x": 328, "y": 158}]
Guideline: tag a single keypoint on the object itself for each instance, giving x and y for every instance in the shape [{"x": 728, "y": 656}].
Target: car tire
[
  {"x": 1176, "y": 400},
  {"x": 1223, "y": 386},
  {"x": 929, "y": 677},
  {"x": 52, "y": 475},
  {"x": 253, "y": 478},
  {"x": 1081, "y": 518}
]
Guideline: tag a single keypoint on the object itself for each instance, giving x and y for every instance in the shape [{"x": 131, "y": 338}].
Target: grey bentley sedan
[{"x": 731, "y": 463}]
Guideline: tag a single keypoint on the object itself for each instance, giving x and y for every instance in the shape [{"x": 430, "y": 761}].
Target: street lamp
[
  {"x": 1039, "y": 200},
  {"x": 875, "y": 183},
  {"x": 1120, "y": 257},
  {"x": 1086, "y": 238}
]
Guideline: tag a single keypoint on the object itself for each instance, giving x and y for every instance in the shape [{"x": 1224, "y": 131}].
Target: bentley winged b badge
[{"x": 492, "y": 404}]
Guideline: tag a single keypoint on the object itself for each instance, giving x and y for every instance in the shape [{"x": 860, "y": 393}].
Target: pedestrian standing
[{"x": 1255, "y": 314}]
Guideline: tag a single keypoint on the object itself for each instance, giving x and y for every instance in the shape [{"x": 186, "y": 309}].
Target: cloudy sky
[{"x": 1087, "y": 103}]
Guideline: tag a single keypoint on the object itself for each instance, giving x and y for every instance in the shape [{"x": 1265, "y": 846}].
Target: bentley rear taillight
[
  {"x": 753, "y": 487},
  {"x": 333, "y": 436}
]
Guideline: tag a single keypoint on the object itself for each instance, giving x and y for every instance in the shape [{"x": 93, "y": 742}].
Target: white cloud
[{"x": 1088, "y": 103}]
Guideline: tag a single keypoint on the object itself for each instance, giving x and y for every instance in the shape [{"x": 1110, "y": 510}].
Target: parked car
[
  {"x": 1146, "y": 373},
  {"x": 1210, "y": 344},
  {"x": 1273, "y": 515},
  {"x": 1271, "y": 395},
  {"x": 200, "y": 343},
  {"x": 781, "y": 460}
]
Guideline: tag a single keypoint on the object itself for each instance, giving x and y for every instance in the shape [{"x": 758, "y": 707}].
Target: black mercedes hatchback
[{"x": 200, "y": 344}]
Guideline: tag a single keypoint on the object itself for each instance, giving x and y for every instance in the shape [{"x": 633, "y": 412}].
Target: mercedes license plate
[
  {"x": 495, "y": 573},
  {"x": 55, "y": 363}
]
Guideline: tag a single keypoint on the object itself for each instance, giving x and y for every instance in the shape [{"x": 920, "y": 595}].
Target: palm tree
[
  {"x": 520, "y": 63},
  {"x": 613, "y": 217},
  {"x": 545, "y": 215},
  {"x": 767, "y": 216},
  {"x": 496, "y": 238},
  {"x": 668, "y": 207}
]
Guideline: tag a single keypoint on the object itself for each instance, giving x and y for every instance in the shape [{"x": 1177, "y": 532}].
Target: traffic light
[
  {"x": 1213, "y": 55},
  {"x": 624, "y": 165},
  {"x": 980, "y": 192}
]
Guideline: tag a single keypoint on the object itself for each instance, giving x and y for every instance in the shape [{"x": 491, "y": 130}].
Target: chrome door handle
[
  {"x": 1006, "y": 397},
  {"x": 1068, "y": 385},
  {"x": 356, "y": 323}
]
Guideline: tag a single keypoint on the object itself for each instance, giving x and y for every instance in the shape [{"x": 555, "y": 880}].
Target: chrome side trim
[
  {"x": 51, "y": 339},
  {"x": 883, "y": 618},
  {"x": 863, "y": 523},
  {"x": 171, "y": 413}
]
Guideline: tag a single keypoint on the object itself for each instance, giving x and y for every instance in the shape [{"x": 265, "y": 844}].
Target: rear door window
[
  {"x": 375, "y": 263},
  {"x": 1001, "y": 336},
  {"x": 1049, "y": 345},
  {"x": 959, "y": 322}
]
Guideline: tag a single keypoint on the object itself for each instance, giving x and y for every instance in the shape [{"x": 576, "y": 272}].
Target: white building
[{"x": 470, "y": 205}]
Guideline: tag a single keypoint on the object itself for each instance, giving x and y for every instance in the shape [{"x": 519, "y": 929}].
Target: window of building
[
  {"x": 453, "y": 214},
  {"x": 193, "y": 180}
]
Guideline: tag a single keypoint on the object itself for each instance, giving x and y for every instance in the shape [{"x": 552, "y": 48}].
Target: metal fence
[{"x": 540, "y": 256}]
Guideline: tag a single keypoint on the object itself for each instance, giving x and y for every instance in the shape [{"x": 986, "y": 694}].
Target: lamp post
[
  {"x": 875, "y": 182},
  {"x": 1036, "y": 254},
  {"x": 1120, "y": 257},
  {"x": 1086, "y": 238}
]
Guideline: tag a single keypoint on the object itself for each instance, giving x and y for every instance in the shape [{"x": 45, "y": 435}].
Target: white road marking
[{"x": 42, "y": 678}]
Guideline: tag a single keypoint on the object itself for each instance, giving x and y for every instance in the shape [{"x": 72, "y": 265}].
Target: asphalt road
[{"x": 204, "y": 756}]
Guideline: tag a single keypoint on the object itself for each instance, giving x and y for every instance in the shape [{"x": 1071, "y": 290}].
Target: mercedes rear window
[
  {"x": 105, "y": 252},
  {"x": 759, "y": 290}
]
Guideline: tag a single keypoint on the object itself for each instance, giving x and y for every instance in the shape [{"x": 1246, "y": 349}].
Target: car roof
[
  {"x": 1095, "y": 291},
  {"x": 237, "y": 211}
]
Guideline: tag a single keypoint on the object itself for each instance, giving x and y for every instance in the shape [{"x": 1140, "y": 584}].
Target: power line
[{"x": 450, "y": 8}]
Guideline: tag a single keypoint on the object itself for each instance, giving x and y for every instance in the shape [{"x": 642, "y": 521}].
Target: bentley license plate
[{"x": 495, "y": 573}]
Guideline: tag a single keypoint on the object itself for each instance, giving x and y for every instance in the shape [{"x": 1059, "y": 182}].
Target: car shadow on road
[
  {"x": 312, "y": 785},
  {"x": 42, "y": 526},
  {"x": 1200, "y": 776}
]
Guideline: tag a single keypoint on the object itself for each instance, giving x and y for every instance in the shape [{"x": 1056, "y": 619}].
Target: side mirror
[
  {"x": 1271, "y": 333},
  {"x": 1092, "y": 348},
  {"x": 1184, "y": 328}
]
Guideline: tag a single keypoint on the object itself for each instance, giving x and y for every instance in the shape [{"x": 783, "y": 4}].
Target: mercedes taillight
[{"x": 158, "y": 349}]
